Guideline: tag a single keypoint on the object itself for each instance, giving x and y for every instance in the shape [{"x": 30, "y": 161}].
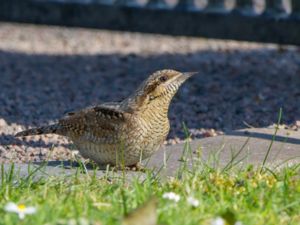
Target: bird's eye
[{"x": 163, "y": 78}]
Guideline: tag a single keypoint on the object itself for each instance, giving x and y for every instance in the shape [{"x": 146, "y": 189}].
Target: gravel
[{"x": 46, "y": 71}]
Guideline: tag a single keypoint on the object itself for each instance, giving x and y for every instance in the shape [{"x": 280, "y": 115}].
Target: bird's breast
[{"x": 153, "y": 128}]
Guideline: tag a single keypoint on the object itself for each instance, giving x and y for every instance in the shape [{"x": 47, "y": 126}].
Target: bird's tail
[{"x": 51, "y": 129}]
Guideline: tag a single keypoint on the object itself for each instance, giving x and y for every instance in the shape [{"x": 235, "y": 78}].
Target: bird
[{"x": 122, "y": 133}]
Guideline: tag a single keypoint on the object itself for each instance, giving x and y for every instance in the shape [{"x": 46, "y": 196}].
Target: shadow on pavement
[
  {"x": 231, "y": 87},
  {"x": 265, "y": 136}
]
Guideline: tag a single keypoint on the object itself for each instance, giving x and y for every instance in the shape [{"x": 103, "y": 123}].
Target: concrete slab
[
  {"x": 65, "y": 169},
  {"x": 248, "y": 146}
]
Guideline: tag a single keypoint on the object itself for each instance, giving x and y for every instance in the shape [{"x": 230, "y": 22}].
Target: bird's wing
[{"x": 96, "y": 123}]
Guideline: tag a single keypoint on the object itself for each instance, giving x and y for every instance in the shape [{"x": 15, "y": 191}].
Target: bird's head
[{"x": 158, "y": 89}]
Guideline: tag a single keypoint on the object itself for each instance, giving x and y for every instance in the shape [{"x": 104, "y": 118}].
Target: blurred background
[{"x": 47, "y": 70}]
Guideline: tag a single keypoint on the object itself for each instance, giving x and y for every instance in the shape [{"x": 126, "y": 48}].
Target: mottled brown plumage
[{"x": 126, "y": 132}]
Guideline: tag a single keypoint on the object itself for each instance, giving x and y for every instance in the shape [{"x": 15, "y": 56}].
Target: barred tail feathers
[{"x": 51, "y": 129}]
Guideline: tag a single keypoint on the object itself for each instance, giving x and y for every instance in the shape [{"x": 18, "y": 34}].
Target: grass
[{"x": 248, "y": 195}]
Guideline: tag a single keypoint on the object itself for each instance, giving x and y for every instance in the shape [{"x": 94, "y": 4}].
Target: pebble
[{"x": 2, "y": 123}]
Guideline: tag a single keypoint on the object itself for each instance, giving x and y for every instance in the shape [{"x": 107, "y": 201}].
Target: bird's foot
[{"x": 136, "y": 167}]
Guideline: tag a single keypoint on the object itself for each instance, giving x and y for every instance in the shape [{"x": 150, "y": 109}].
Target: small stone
[
  {"x": 211, "y": 133},
  {"x": 3, "y": 123}
]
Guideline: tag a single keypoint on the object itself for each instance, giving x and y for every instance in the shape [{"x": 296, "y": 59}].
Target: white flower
[
  {"x": 171, "y": 196},
  {"x": 21, "y": 209},
  {"x": 218, "y": 221},
  {"x": 193, "y": 202}
]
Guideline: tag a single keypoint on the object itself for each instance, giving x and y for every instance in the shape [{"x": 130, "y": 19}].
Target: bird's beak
[
  {"x": 189, "y": 74},
  {"x": 186, "y": 75}
]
